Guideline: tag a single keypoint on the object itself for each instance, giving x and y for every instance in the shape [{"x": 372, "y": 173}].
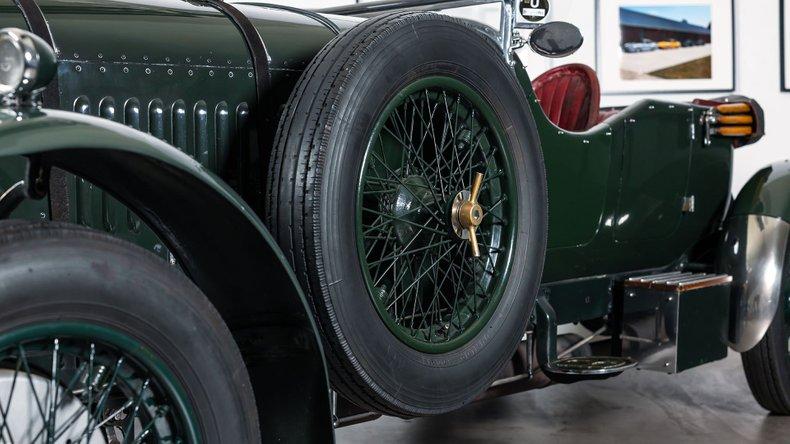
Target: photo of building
[
  {"x": 666, "y": 42},
  {"x": 638, "y": 25}
]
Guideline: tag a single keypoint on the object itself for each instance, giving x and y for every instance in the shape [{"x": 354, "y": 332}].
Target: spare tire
[{"x": 370, "y": 195}]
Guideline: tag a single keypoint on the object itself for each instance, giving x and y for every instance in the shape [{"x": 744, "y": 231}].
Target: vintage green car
[{"x": 243, "y": 222}]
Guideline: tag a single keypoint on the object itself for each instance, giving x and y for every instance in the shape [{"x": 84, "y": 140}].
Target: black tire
[
  {"x": 767, "y": 365},
  {"x": 315, "y": 167},
  {"x": 59, "y": 273}
]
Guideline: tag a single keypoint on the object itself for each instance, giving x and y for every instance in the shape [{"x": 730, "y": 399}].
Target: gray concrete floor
[{"x": 708, "y": 404}]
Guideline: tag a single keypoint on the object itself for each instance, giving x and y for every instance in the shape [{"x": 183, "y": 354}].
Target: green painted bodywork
[
  {"x": 766, "y": 193},
  {"x": 181, "y": 71},
  {"x": 178, "y": 70},
  {"x": 616, "y": 191}
]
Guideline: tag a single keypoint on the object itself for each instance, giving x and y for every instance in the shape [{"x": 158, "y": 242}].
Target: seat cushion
[{"x": 570, "y": 95}]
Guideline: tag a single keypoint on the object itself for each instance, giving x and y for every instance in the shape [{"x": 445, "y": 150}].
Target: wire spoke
[
  {"x": 26, "y": 367},
  {"x": 5, "y": 411},
  {"x": 419, "y": 273}
]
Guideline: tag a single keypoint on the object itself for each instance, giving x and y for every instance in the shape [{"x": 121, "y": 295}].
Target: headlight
[
  {"x": 27, "y": 63},
  {"x": 12, "y": 64}
]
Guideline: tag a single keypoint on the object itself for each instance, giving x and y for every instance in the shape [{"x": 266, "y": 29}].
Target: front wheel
[
  {"x": 102, "y": 342},
  {"x": 767, "y": 365}
]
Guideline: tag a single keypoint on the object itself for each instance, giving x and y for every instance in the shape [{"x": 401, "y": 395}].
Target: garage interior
[{"x": 238, "y": 221}]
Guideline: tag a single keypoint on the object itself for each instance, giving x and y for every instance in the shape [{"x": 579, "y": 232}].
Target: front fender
[
  {"x": 216, "y": 239},
  {"x": 753, "y": 251},
  {"x": 767, "y": 193}
]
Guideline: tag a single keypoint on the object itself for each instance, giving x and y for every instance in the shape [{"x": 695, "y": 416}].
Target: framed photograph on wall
[
  {"x": 784, "y": 22},
  {"x": 666, "y": 46}
]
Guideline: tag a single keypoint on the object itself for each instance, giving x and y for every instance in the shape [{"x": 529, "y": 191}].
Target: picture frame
[
  {"x": 784, "y": 45},
  {"x": 664, "y": 46}
]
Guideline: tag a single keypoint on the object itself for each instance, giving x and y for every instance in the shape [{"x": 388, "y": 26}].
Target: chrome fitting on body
[{"x": 27, "y": 65}]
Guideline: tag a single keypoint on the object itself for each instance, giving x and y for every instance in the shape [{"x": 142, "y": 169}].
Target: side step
[
  {"x": 675, "y": 321},
  {"x": 570, "y": 369},
  {"x": 678, "y": 281},
  {"x": 591, "y": 367}
]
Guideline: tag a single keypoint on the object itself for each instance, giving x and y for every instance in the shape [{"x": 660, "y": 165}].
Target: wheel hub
[
  {"x": 465, "y": 215},
  {"x": 409, "y": 208}
]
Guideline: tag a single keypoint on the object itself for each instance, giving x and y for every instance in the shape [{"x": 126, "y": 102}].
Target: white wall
[{"x": 757, "y": 68}]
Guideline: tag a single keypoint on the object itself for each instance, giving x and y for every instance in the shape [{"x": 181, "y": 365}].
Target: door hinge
[{"x": 689, "y": 204}]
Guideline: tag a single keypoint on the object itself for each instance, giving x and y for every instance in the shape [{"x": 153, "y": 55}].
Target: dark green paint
[
  {"x": 10, "y": 16},
  {"x": 580, "y": 299},
  {"x": 545, "y": 331},
  {"x": 701, "y": 324},
  {"x": 180, "y": 56},
  {"x": 766, "y": 193},
  {"x": 610, "y": 214},
  {"x": 578, "y": 172},
  {"x": 654, "y": 176},
  {"x": 12, "y": 170}
]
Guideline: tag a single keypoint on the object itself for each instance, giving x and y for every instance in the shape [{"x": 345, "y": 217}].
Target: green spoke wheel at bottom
[
  {"x": 103, "y": 342},
  {"x": 73, "y": 383}
]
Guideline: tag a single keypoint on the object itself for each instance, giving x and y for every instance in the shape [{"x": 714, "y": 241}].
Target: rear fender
[
  {"x": 753, "y": 251},
  {"x": 219, "y": 243}
]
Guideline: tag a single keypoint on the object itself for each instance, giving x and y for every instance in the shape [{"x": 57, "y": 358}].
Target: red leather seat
[{"x": 570, "y": 95}]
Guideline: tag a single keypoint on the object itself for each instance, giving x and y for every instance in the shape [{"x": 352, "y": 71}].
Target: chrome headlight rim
[{"x": 30, "y": 59}]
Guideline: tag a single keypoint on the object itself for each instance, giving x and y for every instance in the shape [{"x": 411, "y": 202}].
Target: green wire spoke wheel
[
  {"x": 421, "y": 270},
  {"x": 103, "y": 342},
  {"x": 407, "y": 188},
  {"x": 72, "y": 382}
]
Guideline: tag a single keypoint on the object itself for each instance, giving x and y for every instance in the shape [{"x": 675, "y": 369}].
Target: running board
[
  {"x": 678, "y": 281},
  {"x": 570, "y": 369}
]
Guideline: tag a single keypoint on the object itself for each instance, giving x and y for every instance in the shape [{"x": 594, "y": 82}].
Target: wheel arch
[
  {"x": 218, "y": 241},
  {"x": 753, "y": 250},
  {"x": 767, "y": 193}
]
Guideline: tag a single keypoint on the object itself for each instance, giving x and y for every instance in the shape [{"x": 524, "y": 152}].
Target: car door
[{"x": 655, "y": 172}]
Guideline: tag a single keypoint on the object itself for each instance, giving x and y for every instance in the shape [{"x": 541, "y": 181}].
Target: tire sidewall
[
  {"x": 428, "y": 383},
  {"x": 77, "y": 276}
]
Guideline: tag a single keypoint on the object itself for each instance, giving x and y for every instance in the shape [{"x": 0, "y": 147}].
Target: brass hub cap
[{"x": 466, "y": 214}]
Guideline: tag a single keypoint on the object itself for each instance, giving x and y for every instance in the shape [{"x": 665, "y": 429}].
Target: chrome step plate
[
  {"x": 678, "y": 281},
  {"x": 572, "y": 369}
]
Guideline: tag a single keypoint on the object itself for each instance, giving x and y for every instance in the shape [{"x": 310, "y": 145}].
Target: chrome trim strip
[
  {"x": 325, "y": 21},
  {"x": 652, "y": 277}
]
